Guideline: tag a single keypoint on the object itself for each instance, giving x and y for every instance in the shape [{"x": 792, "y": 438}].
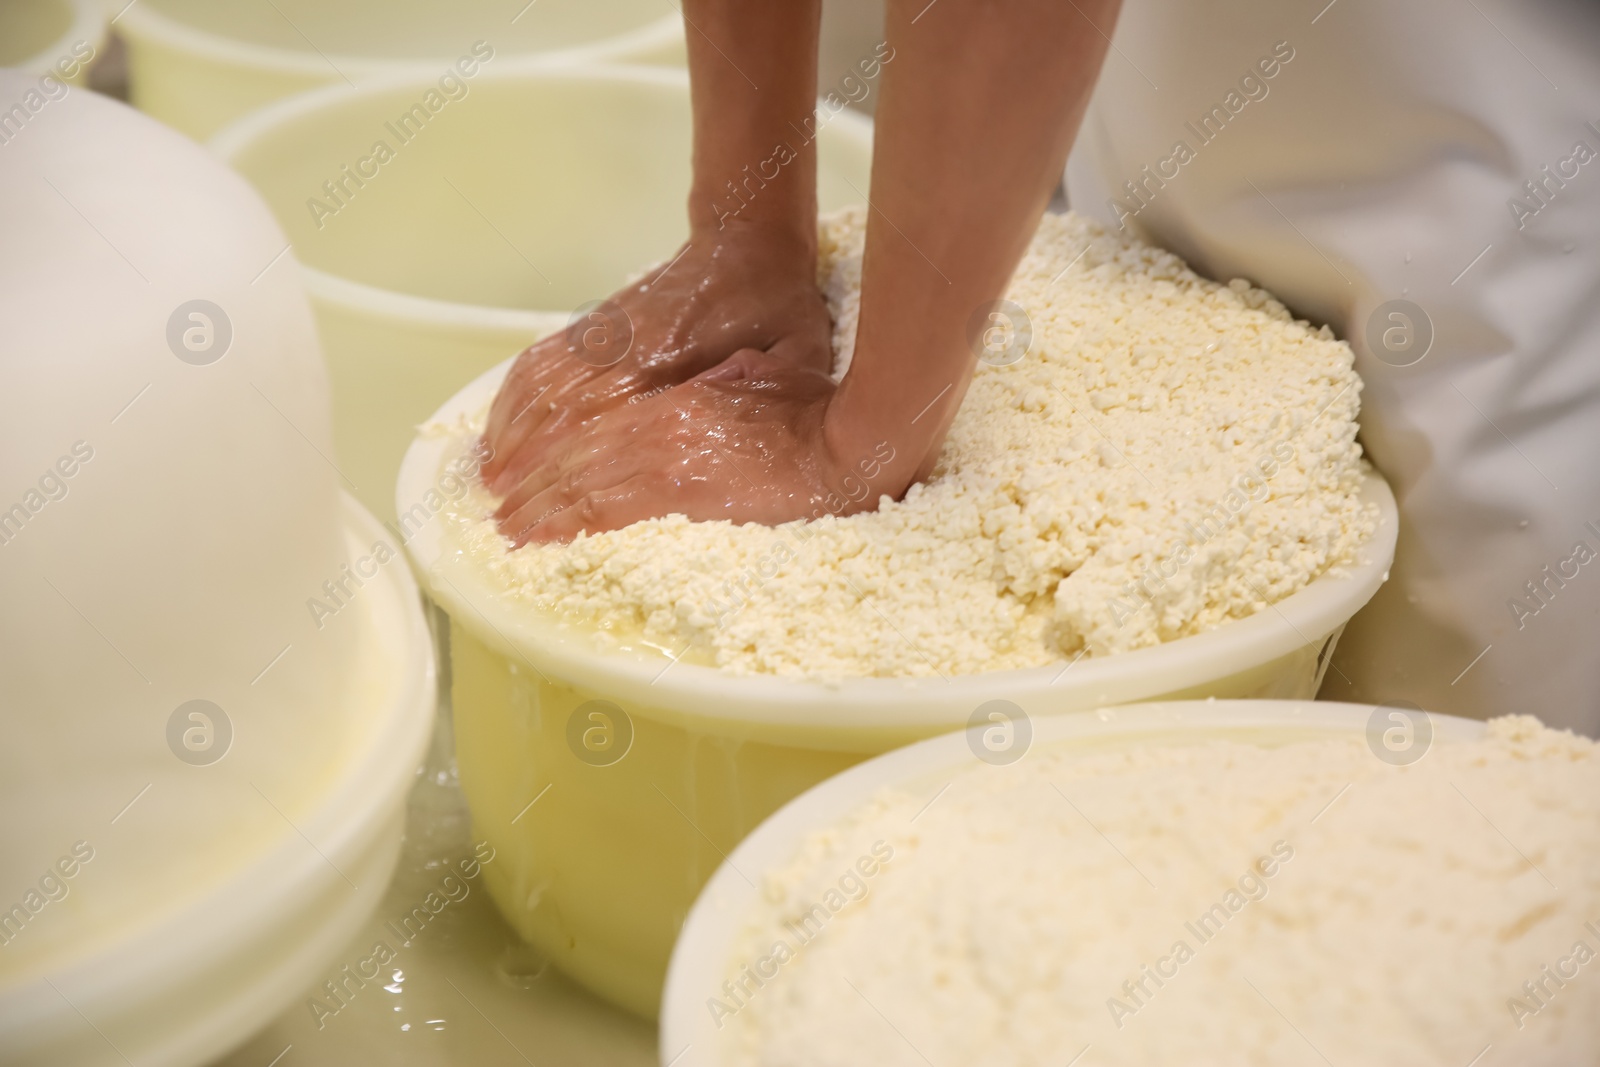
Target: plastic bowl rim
[
  {"x": 143, "y": 21},
  {"x": 707, "y": 695},
  {"x": 88, "y": 24}
]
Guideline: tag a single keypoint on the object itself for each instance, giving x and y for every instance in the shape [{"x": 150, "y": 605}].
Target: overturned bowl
[{"x": 218, "y": 684}]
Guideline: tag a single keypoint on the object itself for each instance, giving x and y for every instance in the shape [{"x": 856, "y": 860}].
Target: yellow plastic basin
[
  {"x": 609, "y": 820},
  {"x": 534, "y": 192},
  {"x": 199, "y": 64}
]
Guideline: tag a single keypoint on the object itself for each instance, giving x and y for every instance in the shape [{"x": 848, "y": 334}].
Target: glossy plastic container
[
  {"x": 197, "y": 64},
  {"x": 216, "y": 685},
  {"x": 535, "y": 192},
  {"x": 704, "y": 955},
  {"x": 602, "y": 860}
]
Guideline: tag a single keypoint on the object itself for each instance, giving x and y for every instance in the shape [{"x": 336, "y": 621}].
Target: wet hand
[
  {"x": 747, "y": 441},
  {"x": 743, "y": 287}
]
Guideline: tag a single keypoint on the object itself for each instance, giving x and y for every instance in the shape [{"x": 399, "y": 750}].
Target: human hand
[
  {"x": 745, "y": 286},
  {"x": 747, "y": 441}
]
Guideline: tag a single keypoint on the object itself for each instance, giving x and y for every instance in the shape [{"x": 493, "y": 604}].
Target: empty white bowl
[{"x": 216, "y": 692}]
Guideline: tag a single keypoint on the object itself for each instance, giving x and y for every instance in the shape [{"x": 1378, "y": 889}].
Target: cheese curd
[
  {"x": 1168, "y": 454},
  {"x": 1202, "y": 902}
]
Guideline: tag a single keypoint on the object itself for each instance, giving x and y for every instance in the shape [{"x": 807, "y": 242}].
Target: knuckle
[{"x": 567, "y": 483}]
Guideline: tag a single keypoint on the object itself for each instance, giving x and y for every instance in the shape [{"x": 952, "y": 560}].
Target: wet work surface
[{"x": 460, "y": 987}]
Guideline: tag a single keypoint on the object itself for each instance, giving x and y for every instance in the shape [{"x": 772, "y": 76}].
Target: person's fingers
[
  {"x": 535, "y": 474},
  {"x": 530, "y": 469},
  {"x": 573, "y": 413},
  {"x": 527, "y": 375},
  {"x": 575, "y": 393},
  {"x": 535, "y": 483},
  {"x": 564, "y": 410},
  {"x": 628, "y": 439},
  {"x": 640, "y": 497},
  {"x": 590, "y": 462},
  {"x": 571, "y": 486},
  {"x": 537, "y": 378},
  {"x": 577, "y": 407}
]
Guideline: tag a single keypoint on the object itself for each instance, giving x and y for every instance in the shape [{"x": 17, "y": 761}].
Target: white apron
[{"x": 1363, "y": 160}]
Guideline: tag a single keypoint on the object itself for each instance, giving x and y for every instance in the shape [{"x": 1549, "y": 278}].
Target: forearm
[
  {"x": 976, "y": 117},
  {"x": 753, "y": 75}
]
